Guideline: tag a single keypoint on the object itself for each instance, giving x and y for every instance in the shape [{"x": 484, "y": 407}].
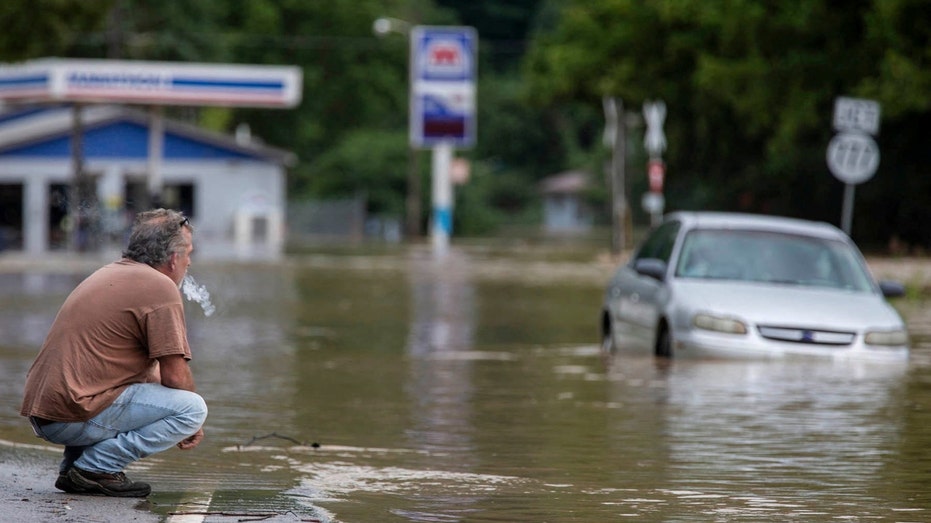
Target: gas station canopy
[{"x": 150, "y": 83}]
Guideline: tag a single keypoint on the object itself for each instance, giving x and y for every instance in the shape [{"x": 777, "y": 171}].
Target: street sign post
[
  {"x": 443, "y": 75},
  {"x": 442, "y": 108},
  {"x": 654, "y": 113},
  {"x": 853, "y": 155}
]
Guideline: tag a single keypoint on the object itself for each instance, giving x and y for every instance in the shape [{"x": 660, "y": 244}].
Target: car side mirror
[
  {"x": 651, "y": 267},
  {"x": 892, "y": 289}
]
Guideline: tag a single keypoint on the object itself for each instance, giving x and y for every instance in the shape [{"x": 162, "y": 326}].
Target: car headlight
[
  {"x": 888, "y": 338},
  {"x": 715, "y": 323}
]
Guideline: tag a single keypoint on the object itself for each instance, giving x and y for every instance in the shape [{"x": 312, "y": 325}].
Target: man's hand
[{"x": 192, "y": 441}]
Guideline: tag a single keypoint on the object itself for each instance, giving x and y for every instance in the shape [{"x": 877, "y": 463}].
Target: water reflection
[
  {"x": 25, "y": 303},
  {"x": 773, "y": 440},
  {"x": 443, "y": 303},
  {"x": 441, "y": 327},
  {"x": 440, "y": 387}
]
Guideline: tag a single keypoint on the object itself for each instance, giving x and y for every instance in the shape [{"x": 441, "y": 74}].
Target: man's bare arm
[{"x": 176, "y": 373}]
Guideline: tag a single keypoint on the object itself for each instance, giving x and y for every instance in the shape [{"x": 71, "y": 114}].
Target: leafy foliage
[
  {"x": 749, "y": 86},
  {"x": 369, "y": 161},
  {"x": 37, "y": 28}
]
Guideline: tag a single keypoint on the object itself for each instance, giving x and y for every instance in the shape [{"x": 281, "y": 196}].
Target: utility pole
[
  {"x": 76, "y": 239},
  {"x": 615, "y": 137},
  {"x": 412, "y": 202}
]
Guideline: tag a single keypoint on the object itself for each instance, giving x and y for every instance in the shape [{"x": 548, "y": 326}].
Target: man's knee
[
  {"x": 195, "y": 411},
  {"x": 198, "y": 409}
]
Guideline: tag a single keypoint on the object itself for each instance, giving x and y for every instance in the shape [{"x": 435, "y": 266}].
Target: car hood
[{"x": 784, "y": 305}]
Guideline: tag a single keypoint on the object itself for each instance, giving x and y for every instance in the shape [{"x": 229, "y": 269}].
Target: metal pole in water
[{"x": 442, "y": 223}]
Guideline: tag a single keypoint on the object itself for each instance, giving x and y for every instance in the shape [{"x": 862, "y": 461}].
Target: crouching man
[{"x": 112, "y": 382}]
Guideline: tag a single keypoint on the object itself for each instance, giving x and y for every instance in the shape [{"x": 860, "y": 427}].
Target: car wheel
[
  {"x": 664, "y": 342},
  {"x": 608, "y": 346}
]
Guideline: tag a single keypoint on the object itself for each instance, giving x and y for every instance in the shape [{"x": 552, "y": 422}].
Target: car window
[
  {"x": 772, "y": 258},
  {"x": 660, "y": 242}
]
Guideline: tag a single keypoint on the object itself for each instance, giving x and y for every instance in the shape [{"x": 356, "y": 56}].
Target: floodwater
[{"x": 398, "y": 387}]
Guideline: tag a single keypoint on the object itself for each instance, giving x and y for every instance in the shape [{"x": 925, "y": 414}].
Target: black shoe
[
  {"x": 64, "y": 483},
  {"x": 109, "y": 484}
]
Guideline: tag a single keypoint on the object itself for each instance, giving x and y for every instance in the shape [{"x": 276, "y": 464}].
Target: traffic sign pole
[
  {"x": 442, "y": 222},
  {"x": 847, "y": 212},
  {"x": 655, "y": 143},
  {"x": 853, "y": 155}
]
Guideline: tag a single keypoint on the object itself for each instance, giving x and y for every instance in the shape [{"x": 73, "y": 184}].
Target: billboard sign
[{"x": 443, "y": 71}]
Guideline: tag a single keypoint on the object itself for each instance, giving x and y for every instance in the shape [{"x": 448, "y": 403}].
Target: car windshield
[{"x": 760, "y": 256}]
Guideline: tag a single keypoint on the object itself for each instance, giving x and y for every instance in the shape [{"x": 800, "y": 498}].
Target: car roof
[{"x": 734, "y": 220}]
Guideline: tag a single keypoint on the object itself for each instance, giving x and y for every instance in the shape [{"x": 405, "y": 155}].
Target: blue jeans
[{"x": 145, "y": 419}]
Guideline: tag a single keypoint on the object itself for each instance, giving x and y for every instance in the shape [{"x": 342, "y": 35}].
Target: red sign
[
  {"x": 656, "y": 171},
  {"x": 444, "y": 55}
]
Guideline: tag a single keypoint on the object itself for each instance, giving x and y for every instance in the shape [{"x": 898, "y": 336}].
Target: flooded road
[{"x": 395, "y": 387}]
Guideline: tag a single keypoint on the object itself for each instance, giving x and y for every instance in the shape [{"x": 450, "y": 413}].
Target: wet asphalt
[{"x": 27, "y": 487}]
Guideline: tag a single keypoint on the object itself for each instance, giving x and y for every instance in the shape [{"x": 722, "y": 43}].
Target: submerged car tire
[
  {"x": 664, "y": 342},
  {"x": 608, "y": 346}
]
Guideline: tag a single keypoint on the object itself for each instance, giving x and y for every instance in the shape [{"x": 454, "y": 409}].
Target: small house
[{"x": 565, "y": 209}]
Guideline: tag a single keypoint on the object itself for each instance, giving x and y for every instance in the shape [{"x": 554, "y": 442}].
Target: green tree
[
  {"x": 899, "y": 34},
  {"x": 369, "y": 162},
  {"x": 37, "y": 28},
  {"x": 749, "y": 85}
]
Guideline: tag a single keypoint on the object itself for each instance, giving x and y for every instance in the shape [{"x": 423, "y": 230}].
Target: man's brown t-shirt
[{"x": 106, "y": 336}]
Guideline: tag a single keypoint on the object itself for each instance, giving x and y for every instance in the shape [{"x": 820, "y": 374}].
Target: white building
[
  {"x": 565, "y": 210},
  {"x": 233, "y": 189}
]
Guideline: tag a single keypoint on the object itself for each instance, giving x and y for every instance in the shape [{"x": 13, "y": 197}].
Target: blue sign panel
[
  {"x": 23, "y": 85},
  {"x": 443, "y": 65}
]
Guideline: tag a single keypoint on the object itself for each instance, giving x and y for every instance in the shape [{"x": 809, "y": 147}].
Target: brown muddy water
[{"x": 398, "y": 387}]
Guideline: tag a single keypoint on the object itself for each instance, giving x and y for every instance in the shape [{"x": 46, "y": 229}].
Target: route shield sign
[
  {"x": 856, "y": 114},
  {"x": 853, "y": 157},
  {"x": 443, "y": 65}
]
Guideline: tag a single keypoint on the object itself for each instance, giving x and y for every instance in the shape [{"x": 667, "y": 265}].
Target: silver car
[{"x": 750, "y": 286}]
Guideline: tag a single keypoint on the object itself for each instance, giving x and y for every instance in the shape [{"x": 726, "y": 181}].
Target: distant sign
[
  {"x": 853, "y": 157},
  {"x": 151, "y": 83},
  {"x": 655, "y": 114},
  {"x": 443, "y": 70},
  {"x": 653, "y": 202},
  {"x": 656, "y": 171},
  {"x": 856, "y": 114}
]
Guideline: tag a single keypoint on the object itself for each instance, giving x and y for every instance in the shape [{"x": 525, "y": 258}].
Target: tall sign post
[
  {"x": 654, "y": 113},
  {"x": 442, "y": 109},
  {"x": 853, "y": 155}
]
